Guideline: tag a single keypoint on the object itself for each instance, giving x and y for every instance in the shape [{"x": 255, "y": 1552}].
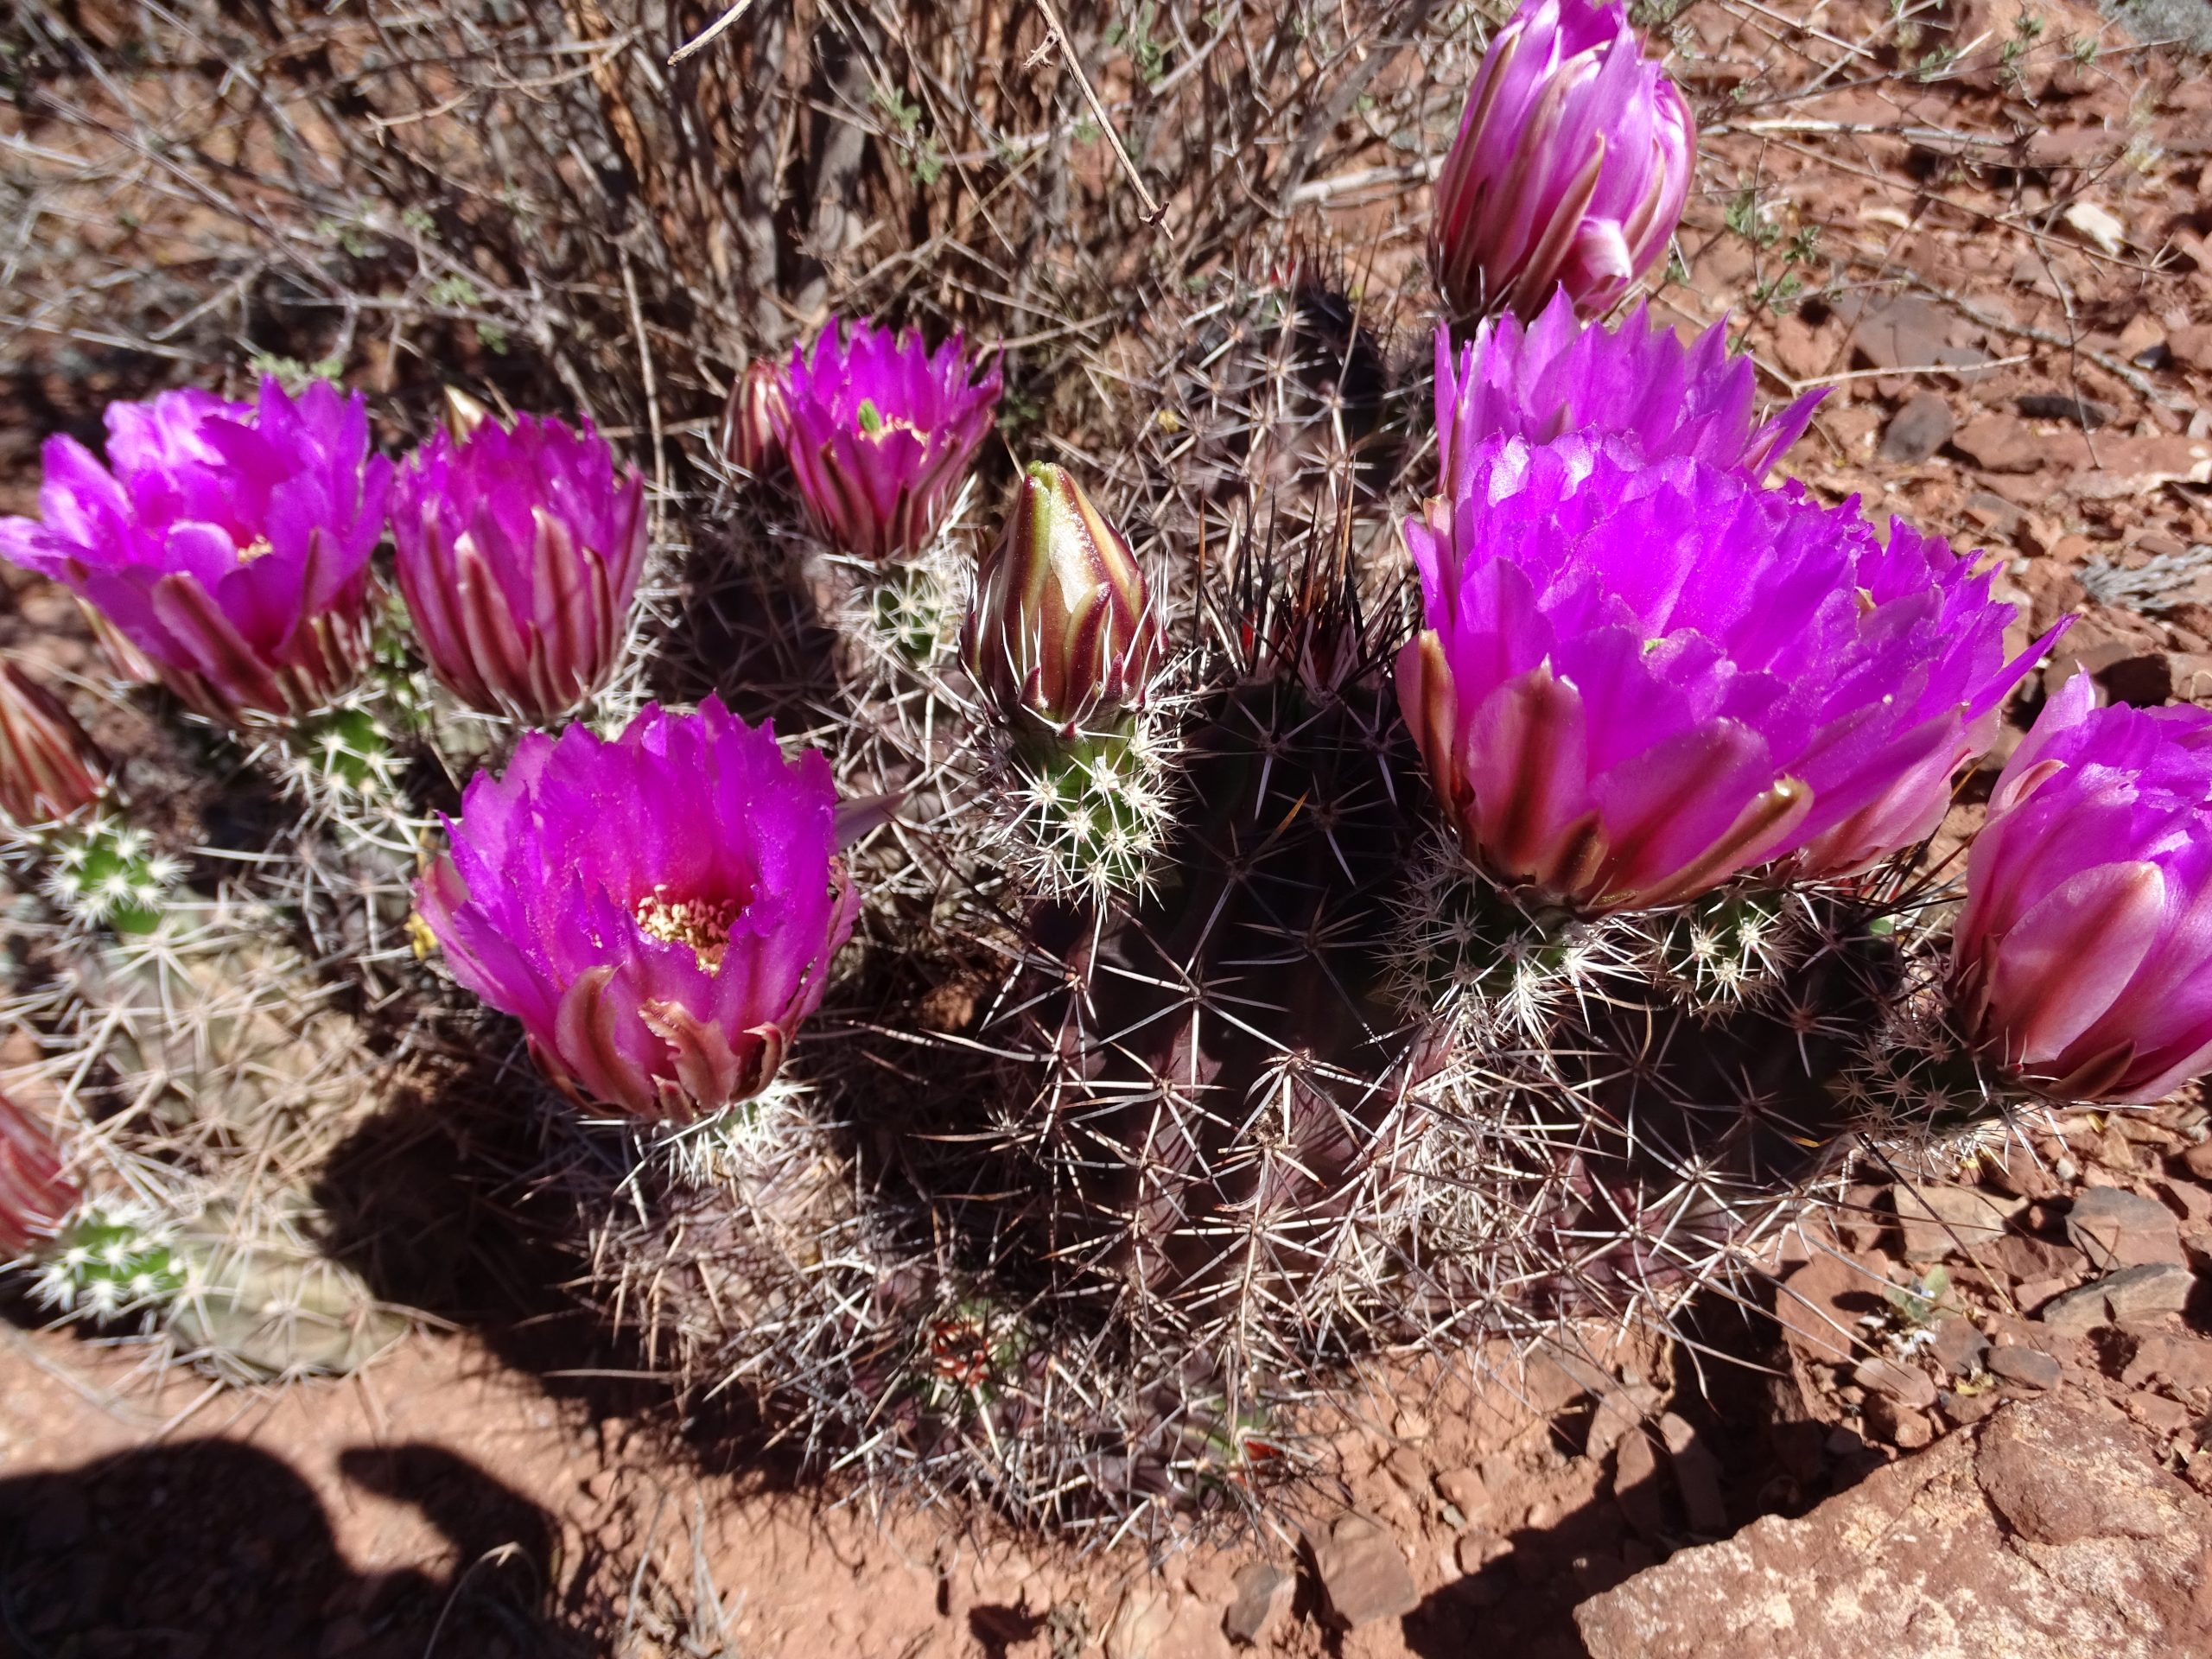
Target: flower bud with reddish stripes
[
  {"x": 753, "y": 419},
  {"x": 1572, "y": 165},
  {"x": 520, "y": 550},
  {"x": 1062, "y": 628},
  {"x": 49, "y": 767},
  {"x": 2081, "y": 962},
  {"x": 35, "y": 1195}
]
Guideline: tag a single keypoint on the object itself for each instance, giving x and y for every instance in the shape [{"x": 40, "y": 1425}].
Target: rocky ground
[
  {"x": 1978, "y": 1421},
  {"x": 1981, "y": 1432}
]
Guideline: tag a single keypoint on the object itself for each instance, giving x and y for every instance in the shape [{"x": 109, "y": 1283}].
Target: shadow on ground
[{"x": 213, "y": 1548}]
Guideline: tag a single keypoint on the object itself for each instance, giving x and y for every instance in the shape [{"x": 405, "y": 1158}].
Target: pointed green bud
[{"x": 1062, "y": 628}]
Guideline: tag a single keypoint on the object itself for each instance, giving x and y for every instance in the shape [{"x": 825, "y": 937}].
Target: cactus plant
[{"x": 1198, "y": 948}]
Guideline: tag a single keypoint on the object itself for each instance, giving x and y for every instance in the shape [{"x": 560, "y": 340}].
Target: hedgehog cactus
[{"x": 1193, "y": 945}]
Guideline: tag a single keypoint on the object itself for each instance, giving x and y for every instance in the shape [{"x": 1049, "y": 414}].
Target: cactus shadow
[
  {"x": 1748, "y": 1455},
  {"x": 212, "y": 1547},
  {"x": 430, "y": 1202},
  {"x": 447, "y": 1204}
]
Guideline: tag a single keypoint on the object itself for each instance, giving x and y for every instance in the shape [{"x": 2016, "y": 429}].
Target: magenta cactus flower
[
  {"x": 754, "y": 420},
  {"x": 518, "y": 554},
  {"x": 228, "y": 542},
  {"x": 658, "y": 909},
  {"x": 2081, "y": 962},
  {"x": 1636, "y": 382},
  {"x": 49, "y": 767},
  {"x": 1571, "y": 168},
  {"x": 1062, "y": 631},
  {"x": 879, "y": 431},
  {"x": 1637, "y": 681}
]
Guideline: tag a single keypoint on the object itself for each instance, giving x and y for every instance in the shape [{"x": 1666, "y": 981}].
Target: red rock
[
  {"x": 1937, "y": 1221},
  {"x": 1362, "y": 1573},
  {"x": 1908, "y": 332},
  {"x": 1264, "y": 1592},
  {"x": 1635, "y": 1485},
  {"x": 2193, "y": 347},
  {"x": 1917, "y": 431},
  {"x": 1462, "y": 1489},
  {"x": 1697, "y": 1476},
  {"x": 1897, "y": 1425},
  {"x": 2042, "y": 1534},
  {"x": 1900, "y": 1383},
  {"x": 1819, "y": 1304},
  {"x": 2180, "y": 1362},
  {"x": 2030, "y": 1367},
  {"x": 2000, "y": 443},
  {"x": 2032, "y": 1259},
  {"x": 1958, "y": 1347},
  {"x": 2157, "y": 1413},
  {"x": 1618, "y": 1411},
  {"x": 2060, "y": 1476},
  {"x": 2114, "y": 1228},
  {"x": 2198, "y": 1160}
]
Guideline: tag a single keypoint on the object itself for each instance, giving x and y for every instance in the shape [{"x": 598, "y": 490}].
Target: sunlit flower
[
  {"x": 1637, "y": 681},
  {"x": 1637, "y": 382},
  {"x": 2082, "y": 959},
  {"x": 228, "y": 542},
  {"x": 658, "y": 909}
]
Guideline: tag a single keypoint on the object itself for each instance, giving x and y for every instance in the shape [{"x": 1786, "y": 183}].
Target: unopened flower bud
[
  {"x": 1571, "y": 168},
  {"x": 35, "y": 1195},
  {"x": 1062, "y": 629},
  {"x": 2081, "y": 963},
  {"x": 753, "y": 419},
  {"x": 49, "y": 767},
  {"x": 518, "y": 554}
]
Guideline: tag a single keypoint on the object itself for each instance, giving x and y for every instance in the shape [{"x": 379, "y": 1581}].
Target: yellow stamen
[{"x": 703, "y": 925}]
